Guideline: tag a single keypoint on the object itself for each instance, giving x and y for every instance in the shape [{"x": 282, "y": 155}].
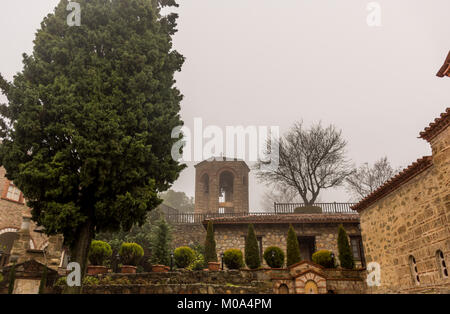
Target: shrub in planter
[
  {"x": 210, "y": 244},
  {"x": 183, "y": 256},
  {"x": 274, "y": 257},
  {"x": 198, "y": 263},
  {"x": 131, "y": 253},
  {"x": 233, "y": 259},
  {"x": 252, "y": 249},
  {"x": 323, "y": 258},
  {"x": 345, "y": 253},
  {"x": 293, "y": 248},
  {"x": 99, "y": 252},
  {"x": 308, "y": 210}
]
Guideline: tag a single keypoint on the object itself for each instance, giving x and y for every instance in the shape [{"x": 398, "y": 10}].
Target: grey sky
[{"x": 269, "y": 62}]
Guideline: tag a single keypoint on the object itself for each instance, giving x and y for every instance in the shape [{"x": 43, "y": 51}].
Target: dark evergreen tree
[
  {"x": 161, "y": 239},
  {"x": 345, "y": 252},
  {"x": 210, "y": 244},
  {"x": 292, "y": 247},
  {"x": 252, "y": 258},
  {"x": 86, "y": 133}
]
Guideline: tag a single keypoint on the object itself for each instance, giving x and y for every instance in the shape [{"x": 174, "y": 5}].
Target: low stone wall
[{"x": 342, "y": 281}]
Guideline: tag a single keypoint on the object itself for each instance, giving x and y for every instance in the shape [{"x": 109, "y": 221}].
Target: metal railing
[
  {"x": 331, "y": 208},
  {"x": 279, "y": 209}
]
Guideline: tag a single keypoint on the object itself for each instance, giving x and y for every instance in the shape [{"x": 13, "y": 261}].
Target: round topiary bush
[
  {"x": 233, "y": 259},
  {"x": 183, "y": 256},
  {"x": 131, "y": 253},
  {"x": 99, "y": 252},
  {"x": 324, "y": 258},
  {"x": 274, "y": 257}
]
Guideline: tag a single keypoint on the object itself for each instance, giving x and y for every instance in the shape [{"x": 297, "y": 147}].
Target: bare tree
[
  {"x": 279, "y": 193},
  {"x": 310, "y": 160},
  {"x": 365, "y": 179}
]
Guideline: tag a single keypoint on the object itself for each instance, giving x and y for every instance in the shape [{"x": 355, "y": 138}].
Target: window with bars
[
  {"x": 413, "y": 268},
  {"x": 442, "y": 266}
]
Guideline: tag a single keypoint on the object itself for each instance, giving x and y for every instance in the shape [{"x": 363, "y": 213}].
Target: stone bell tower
[{"x": 221, "y": 186}]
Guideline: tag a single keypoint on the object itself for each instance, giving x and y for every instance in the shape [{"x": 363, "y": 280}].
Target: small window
[
  {"x": 442, "y": 266},
  {"x": 13, "y": 193},
  {"x": 356, "y": 247},
  {"x": 413, "y": 268}
]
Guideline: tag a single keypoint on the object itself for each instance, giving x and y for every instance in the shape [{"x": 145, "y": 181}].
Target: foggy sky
[{"x": 269, "y": 62}]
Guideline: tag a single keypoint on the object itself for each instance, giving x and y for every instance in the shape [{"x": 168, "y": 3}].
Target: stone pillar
[{"x": 22, "y": 244}]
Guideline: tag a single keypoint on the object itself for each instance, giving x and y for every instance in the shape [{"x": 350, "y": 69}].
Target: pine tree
[
  {"x": 161, "y": 239},
  {"x": 292, "y": 247},
  {"x": 86, "y": 134},
  {"x": 210, "y": 244},
  {"x": 345, "y": 252},
  {"x": 252, "y": 258}
]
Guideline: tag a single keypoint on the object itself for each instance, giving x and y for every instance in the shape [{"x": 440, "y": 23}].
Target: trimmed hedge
[
  {"x": 252, "y": 249},
  {"x": 293, "y": 248},
  {"x": 345, "y": 253},
  {"x": 131, "y": 253},
  {"x": 233, "y": 259},
  {"x": 183, "y": 256},
  {"x": 274, "y": 257},
  {"x": 324, "y": 258},
  {"x": 210, "y": 244},
  {"x": 99, "y": 252}
]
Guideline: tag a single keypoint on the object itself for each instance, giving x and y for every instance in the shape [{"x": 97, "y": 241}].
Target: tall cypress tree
[
  {"x": 252, "y": 258},
  {"x": 210, "y": 244},
  {"x": 292, "y": 247},
  {"x": 86, "y": 133},
  {"x": 345, "y": 252},
  {"x": 161, "y": 239}
]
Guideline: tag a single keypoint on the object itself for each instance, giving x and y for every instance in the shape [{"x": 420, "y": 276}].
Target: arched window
[
  {"x": 442, "y": 266},
  {"x": 7, "y": 238},
  {"x": 226, "y": 181},
  {"x": 413, "y": 268}
]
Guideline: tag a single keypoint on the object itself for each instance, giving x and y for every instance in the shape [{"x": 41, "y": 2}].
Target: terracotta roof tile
[
  {"x": 445, "y": 69},
  {"x": 437, "y": 126},
  {"x": 286, "y": 218},
  {"x": 393, "y": 183}
]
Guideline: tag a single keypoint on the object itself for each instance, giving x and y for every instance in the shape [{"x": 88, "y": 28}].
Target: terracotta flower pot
[
  {"x": 214, "y": 266},
  {"x": 160, "y": 268},
  {"x": 128, "y": 269},
  {"x": 95, "y": 270}
]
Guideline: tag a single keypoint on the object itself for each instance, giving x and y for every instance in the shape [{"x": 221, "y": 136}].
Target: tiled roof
[
  {"x": 393, "y": 183},
  {"x": 445, "y": 69},
  {"x": 286, "y": 218},
  {"x": 437, "y": 126}
]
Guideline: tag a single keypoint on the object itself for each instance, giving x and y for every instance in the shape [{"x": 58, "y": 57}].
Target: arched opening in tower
[{"x": 226, "y": 181}]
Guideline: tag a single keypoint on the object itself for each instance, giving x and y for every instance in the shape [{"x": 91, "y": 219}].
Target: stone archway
[
  {"x": 283, "y": 289},
  {"x": 7, "y": 238}
]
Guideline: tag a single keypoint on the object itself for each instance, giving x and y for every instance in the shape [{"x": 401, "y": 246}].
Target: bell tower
[{"x": 221, "y": 186}]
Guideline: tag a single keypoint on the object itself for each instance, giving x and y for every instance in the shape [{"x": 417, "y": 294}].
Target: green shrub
[
  {"x": 345, "y": 253},
  {"x": 99, "y": 252},
  {"x": 183, "y": 256},
  {"x": 252, "y": 258},
  {"x": 1, "y": 277},
  {"x": 293, "y": 249},
  {"x": 274, "y": 257},
  {"x": 43, "y": 282},
  {"x": 11, "y": 279},
  {"x": 91, "y": 281},
  {"x": 61, "y": 281},
  {"x": 198, "y": 263},
  {"x": 161, "y": 239},
  {"x": 210, "y": 244},
  {"x": 131, "y": 253},
  {"x": 324, "y": 258},
  {"x": 233, "y": 259}
]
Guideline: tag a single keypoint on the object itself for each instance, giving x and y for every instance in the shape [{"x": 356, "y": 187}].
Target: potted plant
[
  {"x": 130, "y": 255},
  {"x": 99, "y": 252},
  {"x": 210, "y": 248},
  {"x": 233, "y": 259},
  {"x": 183, "y": 256},
  {"x": 161, "y": 238}
]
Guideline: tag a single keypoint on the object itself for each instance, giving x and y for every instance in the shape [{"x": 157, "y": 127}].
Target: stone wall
[
  {"x": 413, "y": 220},
  {"x": 232, "y": 236},
  {"x": 187, "y": 234}
]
